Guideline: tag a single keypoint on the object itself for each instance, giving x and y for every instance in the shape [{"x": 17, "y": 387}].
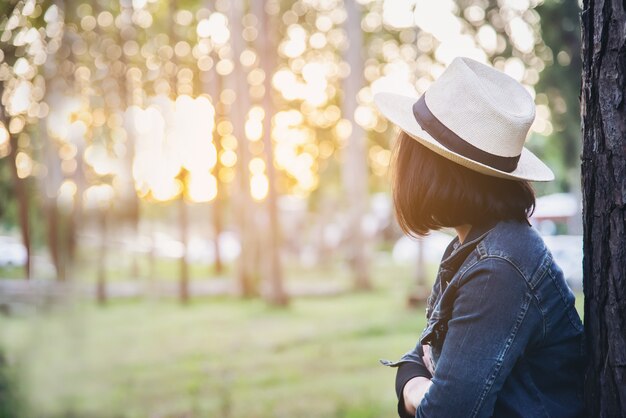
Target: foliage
[
  {"x": 11, "y": 401},
  {"x": 559, "y": 84},
  {"x": 8, "y": 215},
  {"x": 115, "y": 55},
  {"x": 96, "y": 70}
]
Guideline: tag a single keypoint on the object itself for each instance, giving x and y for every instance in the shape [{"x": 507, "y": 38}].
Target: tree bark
[
  {"x": 130, "y": 200},
  {"x": 183, "y": 287},
  {"x": 355, "y": 158},
  {"x": 183, "y": 280},
  {"x": 243, "y": 201},
  {"x": 101, "y": 284},
  {"x": 276, "y": 292},
  {"x": 21, "y": 192},
  {"x": 603, "y": 114},
  {"x": 19, "y": 185},
  {"x": 213, "y": 85}
]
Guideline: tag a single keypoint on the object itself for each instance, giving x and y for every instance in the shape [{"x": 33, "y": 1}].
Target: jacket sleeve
[
  {"x": 407, "y": 371},
  {"x": 492, "y": 320}
]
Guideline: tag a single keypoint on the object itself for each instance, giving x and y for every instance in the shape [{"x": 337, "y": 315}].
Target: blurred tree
[
  {"x": 183, "y": 284},
  {"x": 25, "y": 30},
  {"x": 13, "y": 16},
  {"x": 604, "y": 205},
  {"x": 212, "y": 85},
  {"x": 218, "y": 202},
  {"x": 12, "y": 402},
  {"x": 50, "y": 184},
  {"x": 101, "y": 265},
  {"x": 101, "y": 85},
  {"x": 125, "y": 39},
  {"x": 246, "y": 270},
  {"x": 271, "y": 253},
  {"x": 543, "y": 35},
  {"x": 355, "y": 173},
  {"x": 7, "y": 203},
  {"x": 318, "y": 57},
  {"x": 559, "y": 86},
  {"x": 21, "y": 190}
]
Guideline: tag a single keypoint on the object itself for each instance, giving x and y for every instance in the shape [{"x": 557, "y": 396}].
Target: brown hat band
[{"x": 455, "y": 143}]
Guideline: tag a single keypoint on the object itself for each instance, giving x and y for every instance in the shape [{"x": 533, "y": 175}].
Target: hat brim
[{"x": 398, "y": 109}]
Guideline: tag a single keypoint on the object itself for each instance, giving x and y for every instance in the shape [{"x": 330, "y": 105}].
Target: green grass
[
  {"x": 11, "y": 272},
  {"x": 218, "y": 357}
]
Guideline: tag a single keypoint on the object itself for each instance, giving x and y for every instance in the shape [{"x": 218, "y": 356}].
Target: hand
[
  {"x": 414, "y": 392},
  {"x": 428, "y": 362}
]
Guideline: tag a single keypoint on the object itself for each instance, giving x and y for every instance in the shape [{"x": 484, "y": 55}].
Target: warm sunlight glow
[
  {"x": 259, "y": 186},
  {"x": 170, "y": 136},
  {"x": 254, "y": 123},
  {"x": 24, "y": 165},
  {"x": 66, "y": 194},
  {"x": 4, "y": 135},
  {"x": 201, "y": 186},
  {"x": 98, "y": 196}
]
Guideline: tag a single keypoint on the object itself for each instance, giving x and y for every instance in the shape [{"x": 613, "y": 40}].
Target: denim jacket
[{"x": 505, "y": 337}]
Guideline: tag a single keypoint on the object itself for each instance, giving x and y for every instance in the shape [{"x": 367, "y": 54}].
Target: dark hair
[{"x": 431, "y": 192}]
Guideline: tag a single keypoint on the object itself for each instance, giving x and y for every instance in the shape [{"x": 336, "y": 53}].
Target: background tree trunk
[
  {"x": 20, "y": 188},
  {"x": 246, "y": 270},
  {"x": 183, "y": 284},
  {"x": 19, "y": 185},
  {"x": 603, "y": 114},
  {"x": 183, "y": 278},
  {"x": 101, "y": 284},
  {"x": 50, "y": 185},
  {"x": 267, "y": 50},
  {"x": 131, "y": 209},
  {"x": 213, "y": 85},
  {"x": 354, "y": 171}
]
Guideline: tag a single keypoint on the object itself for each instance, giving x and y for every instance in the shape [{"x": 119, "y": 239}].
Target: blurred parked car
[
  {"x": 566, "y": 249},
  {"x": 406, "y": 249},
  {"x": 568, "y": 254},
  {"x": 199, "y": 249},
  {"x": 12, "y": 252}
]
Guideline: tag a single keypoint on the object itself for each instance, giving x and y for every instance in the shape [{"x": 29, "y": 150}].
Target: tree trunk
[
  {"x": 603, "y": 114},
  {"x": 218, "y": 266},
  {"x": 266, "y": 49},
  {"x": 184, "y": 228},
  {"x": 130, "y": 199},
  {"x": 213, "y": 85},
  {"x": 71, "y": 218},
  {"x": 20, "y": 187},
  {"x": 420, "y": 292},
  {"x": 101, "y": 285},
  {"x": 183, "y": 279},
  {"x": 355, "y": 157},
  {"x": 50, "y": 186},
  {"x": 243, "y": 201}
]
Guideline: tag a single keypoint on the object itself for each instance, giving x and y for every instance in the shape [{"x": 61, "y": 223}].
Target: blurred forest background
[{"x": 195, "y": 217}]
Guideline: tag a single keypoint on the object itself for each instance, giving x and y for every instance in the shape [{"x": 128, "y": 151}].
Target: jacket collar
[{"x": 456, "y": 252}]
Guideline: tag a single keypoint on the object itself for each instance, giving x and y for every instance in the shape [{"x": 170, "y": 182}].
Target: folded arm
[{"x": 491, "y": 323}]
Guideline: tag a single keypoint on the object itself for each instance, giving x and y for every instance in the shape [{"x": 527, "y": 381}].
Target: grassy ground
[{"x": 217, "y": 357}]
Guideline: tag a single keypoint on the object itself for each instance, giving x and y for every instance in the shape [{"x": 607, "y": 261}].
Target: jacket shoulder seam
[{"x": 529, "y": 288}]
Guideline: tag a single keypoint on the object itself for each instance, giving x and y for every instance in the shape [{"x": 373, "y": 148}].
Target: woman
[{"x": 503, "y": 338}]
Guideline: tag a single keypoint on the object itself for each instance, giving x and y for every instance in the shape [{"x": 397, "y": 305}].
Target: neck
[{"x": 462, "y": 231}]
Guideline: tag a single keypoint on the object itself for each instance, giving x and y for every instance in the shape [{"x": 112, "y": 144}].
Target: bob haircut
[{"x": 431, "y": 192}]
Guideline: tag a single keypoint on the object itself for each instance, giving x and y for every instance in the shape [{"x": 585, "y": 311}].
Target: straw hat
[{"x": 473, "y": 115}]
